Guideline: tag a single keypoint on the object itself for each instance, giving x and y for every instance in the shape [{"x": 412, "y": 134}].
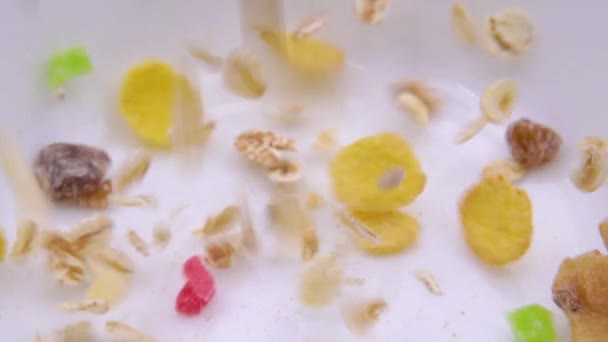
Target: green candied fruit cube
[
  {"x": 533, "y": 323},
  {"x": 67, "y": 64}
]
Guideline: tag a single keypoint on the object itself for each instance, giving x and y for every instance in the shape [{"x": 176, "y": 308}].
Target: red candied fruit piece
[
  {"x": 188, "y": 303},
  {"x": 200, "y": 279}
]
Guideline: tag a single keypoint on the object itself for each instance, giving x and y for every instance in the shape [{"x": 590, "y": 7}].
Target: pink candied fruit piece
[
  {"x": 188, "y": 302},
  {"x": 200, "y": 279}
]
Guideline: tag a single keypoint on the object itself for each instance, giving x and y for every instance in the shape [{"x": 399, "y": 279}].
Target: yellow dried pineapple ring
[
  {"x": 497, "y": 221},
  {"x": 306, "y": 55},
  {"x": 394, "y": 231},
  {"x": 146, "y": 101},
  {"x": 359, "y": 170}
]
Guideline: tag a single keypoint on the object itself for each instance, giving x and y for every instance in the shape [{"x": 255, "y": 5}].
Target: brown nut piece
[{"x": 532, "y": 144}]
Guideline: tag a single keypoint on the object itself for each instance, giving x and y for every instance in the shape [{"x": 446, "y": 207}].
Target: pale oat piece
[
  {"x": 27, "y": 232},
  {"x": 356, "y": 227},
  {"x": 288, "y": 113},
  {"x": 314, "y": 201},
  {"x": 221, "y": 222},
  {"x": 462, "y": 24},
  {"x": 93, "y": 306},
  {"x": 360, "y": 316},
  {"x": 510, "y": 170},
  {"x": 288, "y": 216},
  {"x": 470, "y": 130},
  {"x": 66, "y": 263},
  {"x": 286, "y": 172},
  {"x": 326, "y": 140},
  {"x": 109, "y": 284},
  {"x": 221, "y": 255},
  {"x": 309, "y": 27},
  {"x": 263, "y": 147},
  {"x": 138, "y": 243},
  {"x": 414, "y": 105},
  {"x": 604, "y": 232},
  {"x": 115, "y": 259},
  {"x": 133, "y": 169},
  {"x": 417, "y": 98},
  {"x": 592, "y": 171},
  {"x": 310, "y": 243},
  {"x": 321, "y": 281},
  {"x": 89, "y": 233},
  {"x": 429, "y": 281},
  {"x": 249, "y": 239},
  {"x": 142, "y": 201},
  {"x": 127, "y": 333},
  {"x": 59, "y": 93},
  {"x": 371, "y": 11},
  {"x": 391, "y": 179},
  {"x": 76, "y": 332},
  {"x": 162, "y": 235},
  {"x": 511, "y": 31},
  {"x": 205, "y": 56},
  {"x": 243, "y": 75}
]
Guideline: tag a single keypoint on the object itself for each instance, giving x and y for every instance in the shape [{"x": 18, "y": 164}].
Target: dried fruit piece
[
  {"x": 360, "y": 316},
  {"x": 27, "y": 231},
  {"x": 394, "y": 231},
  {"x": 497, "y": 221},
  {"x": 138, "y": 243},
  {"x": 310, "y": 243},
  {"x": 604, "y": 232},
  {"x": 67, "y": 64},
  {"x": 305, "y": 55},
  {"x": 579, "y": 290},
  {"x": 115, "y": 259},
  {"x": 592, "y": 172},
  {"x": 2, "y": 245},
  {"x": 220, "y": 255},
  {"x": 187, "y": 302},
  {"x": 532, "y": 144},
  {"x": 507, "y": 169},
  {"x": 162, "y": 235},
  {"x": 80, "y": 331},
  {"x": 205, "y": 56},
  {"x": 127, "y": 333},
  {"x": 243, "y": 75},
  {"x": 321, "y": 282},
  {"x": 201, "y": 280},
  {"x": 326, "y": 140},
  {"x": 532, "y": 323},
  {"x": 147, "y": 99},
  {"x": 221, "y": 222},
  {"x": 430, "y": 281},
  {"x": 133, "y": 169},
  {"x": 462, "y": 24},
  {"x": 263, "y": 147},
  {"x": 90, "y": 233},
  {"x": 371, "y": 11},
  {"x": 74, "y": 172},
  {"x": 512, "y": 31},
  {"x": 357, "y": 168},
  {"x": 109, "y": 284},
  {"x": 92, "y": 306}
]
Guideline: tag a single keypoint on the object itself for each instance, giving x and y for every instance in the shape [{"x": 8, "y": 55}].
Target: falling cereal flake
[
  {"x": 205, "y": 56},
  {"x": 109, "y": 285},
  {"x": 604, "y": 232},
  {"x": 27, "y": 231},
  {"x": 391, "y": 179},
  {"x": 371, "y": 11},
  {"x": 510, "y": 170},
  {"x": 462, "y": 24},
  {"x": 249, "y": 239},
  {"x": 309, "y": 27},
  {"x": 75, "y": 332},
  {"x": 221, "y": 255},
  {"x": 2, "y": 245},
  {"x": 92, "y": 306},
  {"x": 326, "y": 140},
  {"x": 243, "y": 75},
  {"x": 511, "y": 31},
  {"x": 592, "y": 171},
  {"x": 419, "y": 99},
  {"x": 162, "y": 235},
  {"x": 361, "y": 316},
  {"x": 314, "y": 201},
  {"x": 414, "y": 105},
  {"x": 133, "y": 169},
  {"x": 65, "y": 262},
  {"x": 127, "y": 333},
  {"x": 321, "y": 282},
  {"x": 263, "y": 147},
  {"x": 429, "y": 281},
  {"x": 310, "y": 243},
  {"x": 91, "y": 232},
  {"x": 138, "y": 243},
  {"x": 221, "y": 222},
  {"x": 115, "y": 260},
  {"x": 285, "y": 172}
]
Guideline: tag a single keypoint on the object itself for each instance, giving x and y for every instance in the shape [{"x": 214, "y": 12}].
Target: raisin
[
  {"x": 74, "y": 172},
  {"x": 532, "y": 144}
]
